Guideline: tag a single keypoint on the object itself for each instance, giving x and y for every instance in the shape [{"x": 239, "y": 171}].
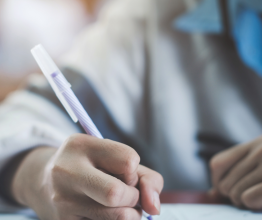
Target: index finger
[
  {"x": 116, "y": 158},
  {"x": 111, "y": 157}
]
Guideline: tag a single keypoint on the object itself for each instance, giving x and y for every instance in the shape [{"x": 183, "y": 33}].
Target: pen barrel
[{"x": 76, "y": 106}]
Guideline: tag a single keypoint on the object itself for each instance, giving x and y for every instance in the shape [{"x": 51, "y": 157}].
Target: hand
[
  {"x": 237, "y": 174},
  {"x": 87, "y": 178}
]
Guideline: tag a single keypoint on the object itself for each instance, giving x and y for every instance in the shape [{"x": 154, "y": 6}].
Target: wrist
[
  {"x": 7, "y": 175},
  {"x": 26, "y": 184}
]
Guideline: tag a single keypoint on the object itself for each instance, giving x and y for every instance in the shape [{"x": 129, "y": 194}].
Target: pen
[{"x": 63, "y": 91}]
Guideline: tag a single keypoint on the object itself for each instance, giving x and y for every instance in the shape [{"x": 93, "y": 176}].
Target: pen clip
[{"x": 48, "y": 66}]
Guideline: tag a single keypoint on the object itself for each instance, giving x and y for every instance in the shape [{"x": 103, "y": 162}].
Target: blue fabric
[
  {"x": 246, "y": 24},
  {"x": 234, "y": 6},
  {"x": 248, "y": 37},
  {"x": 205, "y": 18}
]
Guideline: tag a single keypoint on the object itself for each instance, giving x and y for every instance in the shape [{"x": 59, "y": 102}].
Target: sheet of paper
[
  {"x": 13, "y": 217},
  {"x": 205, "y": 212},
  {"x": 187, "y": 212}
]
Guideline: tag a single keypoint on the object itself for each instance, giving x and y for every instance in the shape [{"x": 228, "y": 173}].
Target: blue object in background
[
  {"x": 246, "y": 26},
  {"x": 205, "y": 18},
  {"x": 248, "y": 36}
]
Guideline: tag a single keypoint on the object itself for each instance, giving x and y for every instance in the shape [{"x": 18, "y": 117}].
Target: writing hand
[{"x": 87, "y": 178}]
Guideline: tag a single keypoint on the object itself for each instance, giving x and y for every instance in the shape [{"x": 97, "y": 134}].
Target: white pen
[{"x": 63, "y": 91}]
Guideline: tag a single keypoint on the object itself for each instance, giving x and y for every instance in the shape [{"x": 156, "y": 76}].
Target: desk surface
[{"x": 191, "y": 197}]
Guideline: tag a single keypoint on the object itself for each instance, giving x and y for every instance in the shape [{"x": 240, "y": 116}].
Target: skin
[
  {"x": 87, "y": 178},
  {"x": 237, "y": 174}
]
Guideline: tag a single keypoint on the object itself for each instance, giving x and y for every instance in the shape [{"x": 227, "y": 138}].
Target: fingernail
[{"x": 157, "y": 202}]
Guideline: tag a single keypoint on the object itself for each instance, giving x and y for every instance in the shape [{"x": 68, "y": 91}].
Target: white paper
[
  {"x": 205, "y": 212},
  {"x": 13, "y": 217},
  {"x": 188, "y": 212}
]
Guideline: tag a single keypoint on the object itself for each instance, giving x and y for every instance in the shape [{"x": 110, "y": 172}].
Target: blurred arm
[{"x": 27, "y": 121}]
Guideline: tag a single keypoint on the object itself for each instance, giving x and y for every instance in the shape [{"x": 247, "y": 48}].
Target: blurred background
[
  {"x": 215, "y": 46},
  {"x": 24, "y": 24}
]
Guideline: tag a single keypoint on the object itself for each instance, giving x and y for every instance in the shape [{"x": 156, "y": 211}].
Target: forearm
[{"x": 68, "y": 183}]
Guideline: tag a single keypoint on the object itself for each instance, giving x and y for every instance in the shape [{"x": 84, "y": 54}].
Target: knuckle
[
  {"x": 56, "y": 171},
  {"x": 131, "y": 162},
  {"x": 114, "y": 195},
  {"x": 58, "y": 175},
  {"x": 57, "y": 198},
  {"x": 75, "y": 141},
  {"x": 215, "y": 163}
]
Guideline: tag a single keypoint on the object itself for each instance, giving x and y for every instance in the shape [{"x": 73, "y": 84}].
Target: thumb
[{"x": 150, "y": 186}]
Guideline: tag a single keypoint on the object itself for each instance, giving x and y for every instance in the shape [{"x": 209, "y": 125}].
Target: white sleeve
[
  {"x": 111, "y": 54},
  {"x": 27, "y": 121}
]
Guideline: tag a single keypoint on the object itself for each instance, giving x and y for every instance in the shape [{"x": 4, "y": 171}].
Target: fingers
[
  {"x": 107, "y": 190},
  {"x": 240, "y": 170},
  {"x": 150, "y": 185},
  {"x": 110, "y": 156},
  {"x": 252, "y": 198},
  {"x": 244, "y": 184},
  {"x": 116, "y": 158},
  {"x": 224, "y": 161},
  {"x": 121, "y": 161},
  {"x": 236, "y": 171}
]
